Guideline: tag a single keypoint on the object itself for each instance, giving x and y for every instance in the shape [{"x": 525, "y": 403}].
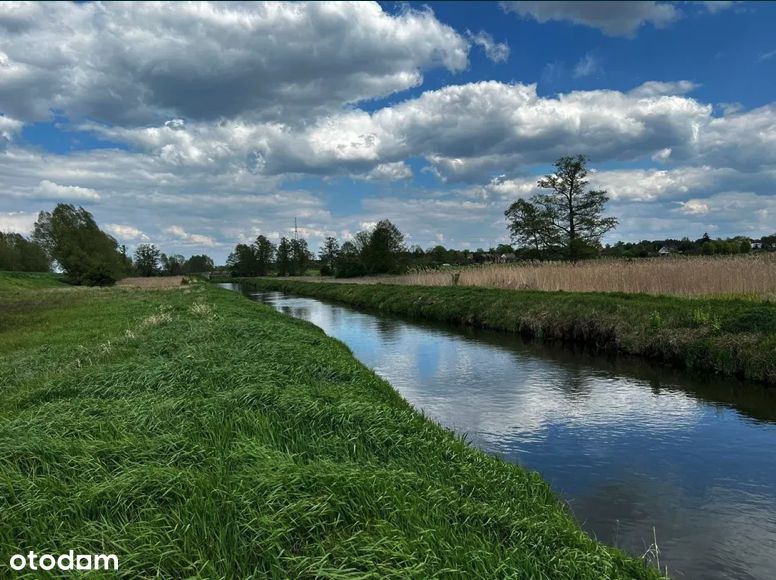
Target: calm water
[{"x": 631, "y": 446}]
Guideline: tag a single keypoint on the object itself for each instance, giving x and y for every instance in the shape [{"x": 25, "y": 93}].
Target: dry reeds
[{"x": 678, "y": 276}]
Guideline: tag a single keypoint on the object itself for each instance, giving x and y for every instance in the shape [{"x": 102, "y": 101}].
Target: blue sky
[{"x": 199, "y": 126}]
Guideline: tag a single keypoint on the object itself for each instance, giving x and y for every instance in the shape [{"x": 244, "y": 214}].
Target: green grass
[
  {"x": 730, "y": 336},
  {"x": 28, "y": 280},
  {"x": 194, "y": 433}
]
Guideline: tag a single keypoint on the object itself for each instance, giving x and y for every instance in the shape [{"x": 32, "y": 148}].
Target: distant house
[
  {"x": 757, "y": 245},
  {"x": 665, "y": 251},
  {"x": 506, "y": 257}
]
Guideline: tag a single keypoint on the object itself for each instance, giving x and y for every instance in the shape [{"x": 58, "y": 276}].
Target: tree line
[
  {"x": 378, "y": 250},
  {"x": 70, "y": 238}
]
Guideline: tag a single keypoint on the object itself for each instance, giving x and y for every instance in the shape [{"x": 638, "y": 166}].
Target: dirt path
[{"x": 154, "y": 282}]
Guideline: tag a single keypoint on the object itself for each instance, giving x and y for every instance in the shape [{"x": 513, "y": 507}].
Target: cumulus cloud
[
  {"x": 126, "y": 233},
  {"x": 54, "y": 191},
  {"x": 195, "y": 239},
  {"x": 495, "y": 51},
  {"x": 612, "y": 18},
  {"x": 390, "y": 172},
  {"x": 20, "y": 222},
  {"x": 137, "y": 63},
  {"x": 9, "y": 128}
]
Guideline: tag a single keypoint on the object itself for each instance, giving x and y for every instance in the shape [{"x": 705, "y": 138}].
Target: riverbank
[
  {"x": 192, "y": 432},
  {"x": 729, "y": 336}
]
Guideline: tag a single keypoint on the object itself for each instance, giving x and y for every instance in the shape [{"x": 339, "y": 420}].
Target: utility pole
[{"x": 296, "y": 233}]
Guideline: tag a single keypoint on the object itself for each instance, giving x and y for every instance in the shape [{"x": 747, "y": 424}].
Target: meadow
[
  {"x": 676, "y": 276},
  {"x": 194, "y": 433}
]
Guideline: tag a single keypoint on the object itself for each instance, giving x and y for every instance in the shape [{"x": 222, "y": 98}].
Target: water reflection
[{"x": 631, "y": 445}]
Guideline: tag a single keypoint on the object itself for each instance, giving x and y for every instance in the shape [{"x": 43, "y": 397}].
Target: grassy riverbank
[
  {"x": 723, "y": 335},
  {"x": 192, "y": 432}
]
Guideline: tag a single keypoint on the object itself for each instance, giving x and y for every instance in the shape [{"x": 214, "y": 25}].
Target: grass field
[
  {"x": 731, "y": 336},
  {"x": 11, "y": 281},
  {"x": 194, "y": 433},
  {"x": 679, "y": 276}
]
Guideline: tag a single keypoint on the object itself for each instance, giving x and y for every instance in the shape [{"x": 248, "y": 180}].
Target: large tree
[
  {"x": 283, "y": 257},
  {"x": 198, "y": 264},
  {"x": 148, "y": 260},
  {"x": 265, "y": 253},
  {"x": 328, "y": 255},
  {"x": 242, "y": 262},
  {"x": 382, "y": 253},
  {"x": 568, "y": 215},
  {"x": 300, "y": 256},
  {"x": 86, "y": 254}
]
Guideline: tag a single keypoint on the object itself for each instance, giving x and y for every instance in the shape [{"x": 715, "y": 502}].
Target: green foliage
[
  {"x": 18, "y": 254},
  {"x": 299, "y": 258},
  {"x": 15, "y": 281},
  {"x": 283, "y": 259},
  {"x": 198, "y": 264},
  {"x": 196, "y": 434},
  {"x": 328, "y": 256},
  {"x": 380, "y": 250},
  {"x": 569, "y": 218},
  {"x": 172, "y": 265},
  {"x": 742, "y": 341},
  {"x": 87, "y": 255},
  {"x": 148, "y": 260},
  {"x": 264, "y": 251}
]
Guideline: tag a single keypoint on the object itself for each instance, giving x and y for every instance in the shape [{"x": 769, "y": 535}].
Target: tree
[
  {"x": 242, "y": 261},
  {"x": 19, "y": 254},
  {"x": 300, "y": 256},
  {"x": 348, "y": 263},
  {"x": 530, "y": 228},
  {"x": 86, "y": 254},
  {"x": 148, "y": 260},
  {"x": 382, "y": 253},
  {"x": 283, "y": 257},
  {"x": 172, "y": 265},
  {"x": 328, "y": 255},
  {"x": 264, "y": 251},
  {"x": 198, "y": 264},
  {"x": 569, "y": 215}
]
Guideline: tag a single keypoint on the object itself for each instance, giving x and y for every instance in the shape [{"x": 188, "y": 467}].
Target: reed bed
[{"x": 676, "y": 276}]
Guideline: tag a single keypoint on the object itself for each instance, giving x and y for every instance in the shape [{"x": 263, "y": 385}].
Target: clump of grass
[{"x": 252, "y": 445}]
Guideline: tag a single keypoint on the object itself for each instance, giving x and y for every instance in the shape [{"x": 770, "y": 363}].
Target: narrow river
[{"x": 639, "y": 451}]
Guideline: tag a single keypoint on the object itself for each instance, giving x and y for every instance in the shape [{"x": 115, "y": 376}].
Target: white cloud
[
  {"x": 193, "y": 239},
  {"x": 390, "y": 172},
  {"x": 588, "y": 65},
  {"x": 694, "y": 207},
  {"x": 144, "y": 62},
  {"x": 8, "y": 129},
  {"x": 495, "y": 51},
  {"x": 127, "y": 233},
  {"x": 53, "y": 191},
  {"x": 715, "y": 6},
  {"x": 651, "y": 89},
  {"x": 612, "y": 18},
  {"x": 17, "y": 221}
]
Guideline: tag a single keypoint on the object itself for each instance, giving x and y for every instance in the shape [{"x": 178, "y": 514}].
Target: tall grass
[
  {"x": 677, "y": 276},
  {"x": 194, "y": 433}
]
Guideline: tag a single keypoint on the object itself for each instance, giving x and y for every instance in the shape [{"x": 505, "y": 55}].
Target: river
[{"x": 642, "y": 453}]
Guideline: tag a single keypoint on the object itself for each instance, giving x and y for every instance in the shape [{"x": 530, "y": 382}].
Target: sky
[{"x": 200, "y": 126}]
